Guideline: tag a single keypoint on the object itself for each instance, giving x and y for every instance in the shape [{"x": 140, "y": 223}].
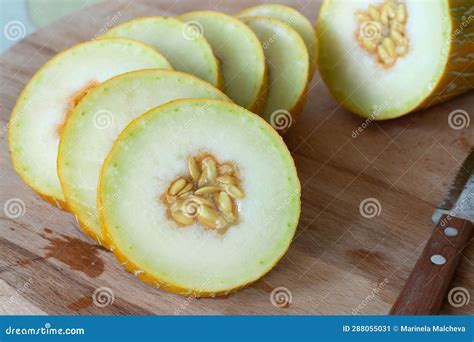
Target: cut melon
[
  {"x": 288, "y": 70},
  {"x": 183, "y": 45},
  {"x": 234, "y": 162},
  {"x": 295, "y": 20},
  {"x": 42, "y": 108},
  {"x": 384, "y": 59},
  {"x": 96, "y": 122},
  {"x": 240, "y": 54}
]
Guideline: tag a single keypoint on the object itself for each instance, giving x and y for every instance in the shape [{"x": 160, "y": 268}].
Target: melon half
[
  {"x": 237, "y": 183},
  {"x": 42, "y": 108},
  {"x": 384, "y": 59},
  {"x": 182, "y": 44},
  {"x": 98, "y": 119}
]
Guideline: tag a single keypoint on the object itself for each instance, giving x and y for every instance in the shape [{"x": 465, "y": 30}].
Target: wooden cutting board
[{"x": 339, "y": 262}]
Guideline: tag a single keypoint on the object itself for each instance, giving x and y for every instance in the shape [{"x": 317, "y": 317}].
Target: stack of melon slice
[{"x": 192, "y": 192}]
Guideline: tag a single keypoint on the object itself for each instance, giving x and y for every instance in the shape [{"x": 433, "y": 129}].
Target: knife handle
[{"x": 429, "y": 280}]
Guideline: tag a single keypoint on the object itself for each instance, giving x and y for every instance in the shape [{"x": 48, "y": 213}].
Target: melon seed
[
  {"x": 176, "y": 186},
  {"x": 193, "y": 169},
  {"x": 391, "y": 42},
  {"x": 207, "y": 196}
]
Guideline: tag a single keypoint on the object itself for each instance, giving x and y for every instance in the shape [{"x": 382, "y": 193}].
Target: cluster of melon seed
[
  {"x": 381, "y": 31},
  {"x": 207, "y": 196}
]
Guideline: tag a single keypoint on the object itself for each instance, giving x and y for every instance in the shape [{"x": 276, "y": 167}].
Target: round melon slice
[
  {"x": 240, "y": 55},
  {"x": 96, "y": 122},
  {"x": 384, "y": 58},
  {"x": 288, "y": 70},
  {"x": 183, "y": 45},
  {"x": 199, "y": 209},
  {"x": 295, "y": 20},
  {"x": 42, "y": 108}
]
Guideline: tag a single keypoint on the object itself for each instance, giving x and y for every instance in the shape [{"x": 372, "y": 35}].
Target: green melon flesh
[
  {"x": 360, "y": 83},
  {"x": 43, "y": 105},
  {"x": 152, "y": 151},
  {"x": 185, "y": 50},
  {"x": 288, "y": 64},
  {"x": 97, "y": 121},
  {"x": 239, "y": 52},
  {"x": 295, "y": 20}
]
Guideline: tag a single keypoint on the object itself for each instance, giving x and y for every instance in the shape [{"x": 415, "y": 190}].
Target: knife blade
[
  {"x": 428, "y": 283},
  {"x": 459, "y": 200}
]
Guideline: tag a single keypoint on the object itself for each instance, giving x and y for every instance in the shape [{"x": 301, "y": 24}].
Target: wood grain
[
  {"x": 428, "y": 284},
  {"x": 340, "y": 262}
]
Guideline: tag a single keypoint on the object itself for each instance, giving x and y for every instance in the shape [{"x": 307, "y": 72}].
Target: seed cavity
[
  {"x": 207, "y": 196},
  {"x": 381, "y": 31},
  {"x": 73, "y": 101}
]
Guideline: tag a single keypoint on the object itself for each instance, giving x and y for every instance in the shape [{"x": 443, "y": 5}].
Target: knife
[{"x": 429, "y": 280}]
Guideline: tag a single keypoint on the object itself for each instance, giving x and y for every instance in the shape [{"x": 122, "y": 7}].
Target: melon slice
[
  {"x": 288, "y": 70},
  {"x": 199, "y": 209},
  {"x": 384, "y": 59},
  {"x": 96, "y": 122},
  {"x": 295, "y": 20},
  {"x": 42, "y": 108},
  {"x": 183, "y": 45},
  {"x": 240, "y": 54}
]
